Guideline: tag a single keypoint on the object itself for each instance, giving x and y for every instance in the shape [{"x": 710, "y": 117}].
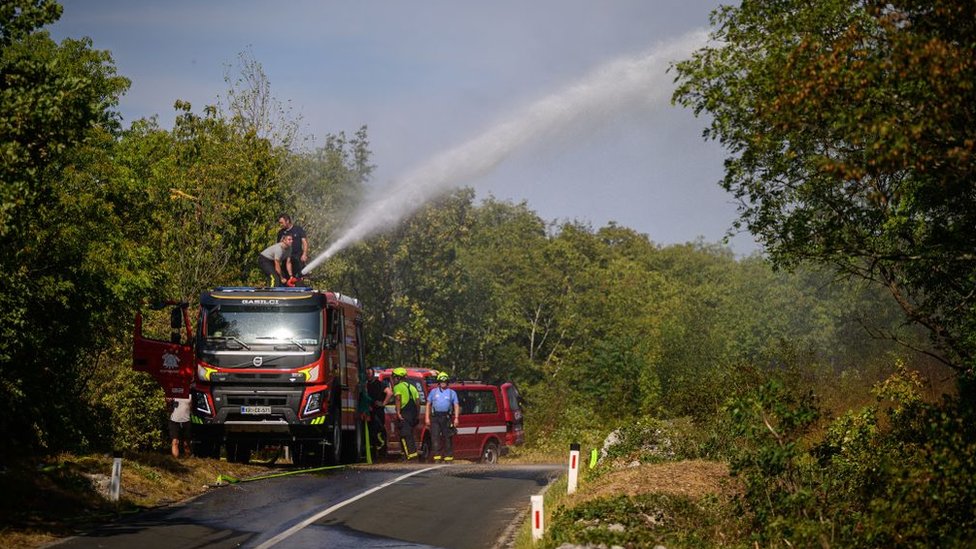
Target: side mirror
[{"x": 175, "y": 324}]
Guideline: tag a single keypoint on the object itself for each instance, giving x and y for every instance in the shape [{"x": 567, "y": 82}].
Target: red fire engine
[{"x": 265, "y": 366}]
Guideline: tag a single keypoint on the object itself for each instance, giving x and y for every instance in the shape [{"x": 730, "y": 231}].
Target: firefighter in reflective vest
[
  {"x": 442, "y": 402},
  {"x": 407, "y": 410}
]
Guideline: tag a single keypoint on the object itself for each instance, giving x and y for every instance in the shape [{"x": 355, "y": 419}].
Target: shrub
[
  {"x": 651, "y": 440},
  {"x": 899, "y": 473}
]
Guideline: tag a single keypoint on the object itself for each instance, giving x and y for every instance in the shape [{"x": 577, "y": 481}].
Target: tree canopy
[{"x": 850, "y": 128}]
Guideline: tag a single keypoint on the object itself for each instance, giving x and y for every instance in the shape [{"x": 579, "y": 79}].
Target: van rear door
[
  {"x": 480, "y": 420},
  {"x": 514, "y": 432}
]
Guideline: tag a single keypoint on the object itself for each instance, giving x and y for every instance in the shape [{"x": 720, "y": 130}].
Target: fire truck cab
[{"x": 265, "y": 367}]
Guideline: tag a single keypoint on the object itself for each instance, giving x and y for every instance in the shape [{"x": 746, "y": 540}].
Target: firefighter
[
  {"x": 407, "y": 400},
  {"x": 378, "y": 393},
  {"x": 444, "y": 403},
  {"x": 274, "y": 259},
  {"x": 299, "y": 248}
]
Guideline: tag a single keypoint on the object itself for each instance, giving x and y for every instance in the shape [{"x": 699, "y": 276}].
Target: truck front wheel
[
  {"x": 238, "y": 452},
  {"x": 335, "y": 453},
  {"x": 207, "y": 447}
]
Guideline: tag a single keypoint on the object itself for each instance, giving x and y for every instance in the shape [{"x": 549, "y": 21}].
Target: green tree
[
  {"x": 851, "y": 127},
  {"x": 505, "y": 252},
  {"x": 326, "y": 184},
  {"x": 70, "y": 273},
  {"x": 208, "y": 194}
]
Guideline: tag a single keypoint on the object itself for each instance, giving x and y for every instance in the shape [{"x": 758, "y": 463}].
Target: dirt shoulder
[{"x": 67, "y": 495}]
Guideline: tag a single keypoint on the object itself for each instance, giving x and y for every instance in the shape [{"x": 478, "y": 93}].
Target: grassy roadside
[
  {"x": 66, "y": 495},
  {"x": 675, "y": 504}
]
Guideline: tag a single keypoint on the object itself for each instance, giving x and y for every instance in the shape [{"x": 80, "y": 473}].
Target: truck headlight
[
  {"x": 203, "y": 373},
  {"x": 311, "y": 374},
  {"x": 314, "y": 403}
]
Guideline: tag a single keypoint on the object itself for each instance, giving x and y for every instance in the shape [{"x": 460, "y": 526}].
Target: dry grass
[
  {"x": 69, "y": 494},
  {"x": 693, "y": 478}
]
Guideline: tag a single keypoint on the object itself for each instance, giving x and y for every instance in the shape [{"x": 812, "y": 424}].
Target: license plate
[{"x": 255, "y": 410}]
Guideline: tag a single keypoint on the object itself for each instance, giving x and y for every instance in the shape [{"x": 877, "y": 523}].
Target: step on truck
[{"x": 265, "y": 367}]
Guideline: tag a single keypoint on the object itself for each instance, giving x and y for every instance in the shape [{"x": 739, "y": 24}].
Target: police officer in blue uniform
[{"x": 442, "y": 403}]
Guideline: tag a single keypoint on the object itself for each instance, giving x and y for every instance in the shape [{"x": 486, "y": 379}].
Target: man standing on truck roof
[
  {"x": 271, "y": 258},
  {"x": 299, "y": 248},
  {"x": 444, "y": 403},
  {"x": 407, "y": 409}
]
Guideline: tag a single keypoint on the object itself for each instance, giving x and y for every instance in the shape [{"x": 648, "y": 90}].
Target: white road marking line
[{"x": 294, "y": 529}]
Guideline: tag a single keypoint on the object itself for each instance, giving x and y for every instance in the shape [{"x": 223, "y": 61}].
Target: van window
[
  {"x": 511, "y": 394},
  {"x": 477, "y": 402}
]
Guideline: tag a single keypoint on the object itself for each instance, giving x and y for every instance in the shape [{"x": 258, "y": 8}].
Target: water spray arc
[{"x": 613, "y": 89}]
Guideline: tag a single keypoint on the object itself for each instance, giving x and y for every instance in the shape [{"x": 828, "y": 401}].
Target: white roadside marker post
[
  {"x": 574, "y": 452},
  {"x": 538, "y": 524},
  {"x": 116, "y": 484}
]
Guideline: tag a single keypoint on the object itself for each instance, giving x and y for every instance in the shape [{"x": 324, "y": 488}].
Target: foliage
[
  {"x": 850, "y": 125},
  {"x": 202, "y": 190},
  {"x": 771, "y": 423},
  {"x": 133, "y": 403},
  {"x": 896, "y": 473},
  {"x": 70, "y": 274}
]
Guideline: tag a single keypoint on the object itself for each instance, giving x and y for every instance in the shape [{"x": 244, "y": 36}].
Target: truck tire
[
  {"x": 335, "y": 450},
  {"x": 354, "y": 445},
  {"x": 238, "y": 452},
  {"x": 490, "y": 454},
  {"x": 206, "y": 447}
]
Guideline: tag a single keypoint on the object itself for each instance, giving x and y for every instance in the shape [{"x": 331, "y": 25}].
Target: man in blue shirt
[{"x": 442, "y": 402}]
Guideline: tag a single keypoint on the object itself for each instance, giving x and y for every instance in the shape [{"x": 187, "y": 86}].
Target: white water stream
[{"x": 612, "y": 90}]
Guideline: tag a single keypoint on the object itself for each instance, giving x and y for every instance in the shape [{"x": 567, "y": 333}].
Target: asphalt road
[{"x": 458, "y": 506}]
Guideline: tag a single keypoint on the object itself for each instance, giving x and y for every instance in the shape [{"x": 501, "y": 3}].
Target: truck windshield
[{"x": 238, "y": 326}]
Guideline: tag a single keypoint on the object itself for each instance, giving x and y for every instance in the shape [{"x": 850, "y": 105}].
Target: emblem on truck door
[
  {"x": 258, "y": 361},
  {"x": 170, "y": 361}
]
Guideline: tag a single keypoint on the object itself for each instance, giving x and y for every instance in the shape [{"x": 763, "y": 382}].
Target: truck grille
[{"x": 257, "y": 400}]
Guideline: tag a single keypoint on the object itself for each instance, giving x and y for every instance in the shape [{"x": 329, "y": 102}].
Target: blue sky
[{"x": 425, "y": 76}]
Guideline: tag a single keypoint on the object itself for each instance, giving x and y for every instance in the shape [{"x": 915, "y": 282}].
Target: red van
[{"x": 490, "y": 421}]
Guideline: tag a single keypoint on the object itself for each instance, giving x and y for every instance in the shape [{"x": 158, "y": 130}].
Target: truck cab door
[{"x": 169, "y": 363}]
